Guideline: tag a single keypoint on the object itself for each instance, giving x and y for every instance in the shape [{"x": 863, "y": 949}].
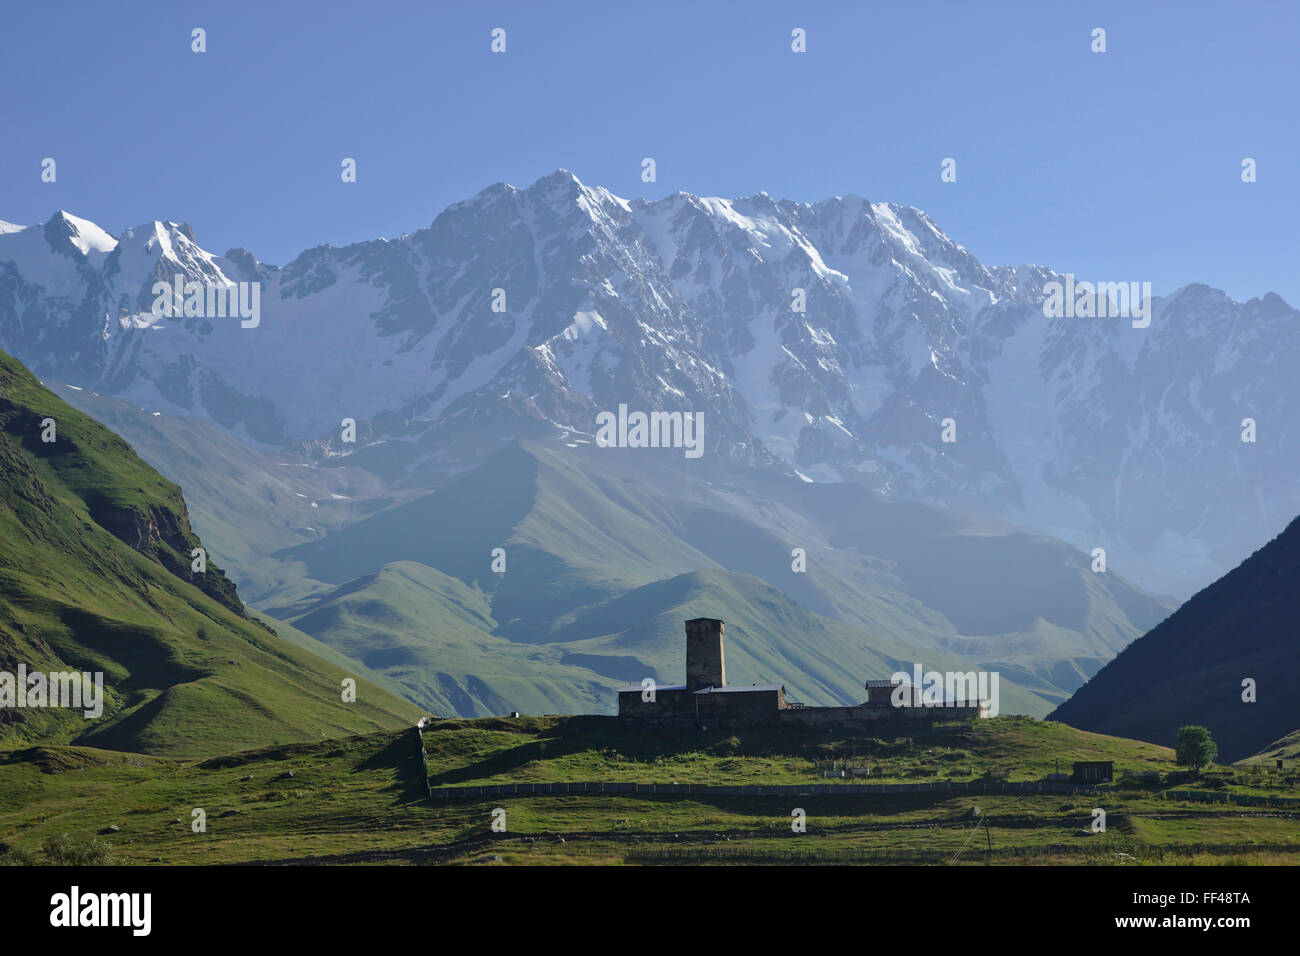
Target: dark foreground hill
[
  {"x": 96, "y": 558},
  {"x": 1190, "y": 669}
]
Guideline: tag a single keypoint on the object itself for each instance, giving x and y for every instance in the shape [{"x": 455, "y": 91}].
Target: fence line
[
  {"x": 1217, "y": 796},
  {"x": 857, "y": 789},
  {"x": 424, "y": 757},
  {"x": 755, "y": 790}
]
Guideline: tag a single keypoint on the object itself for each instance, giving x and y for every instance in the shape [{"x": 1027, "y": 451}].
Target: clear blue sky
[{"x": 1121, "y": 166}]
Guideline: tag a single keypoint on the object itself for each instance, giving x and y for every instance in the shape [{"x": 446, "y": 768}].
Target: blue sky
[{"x": 1122, "y": 166}]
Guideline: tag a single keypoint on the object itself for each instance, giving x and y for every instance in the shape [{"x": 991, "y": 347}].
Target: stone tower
[{"x": 704, "y": 662}]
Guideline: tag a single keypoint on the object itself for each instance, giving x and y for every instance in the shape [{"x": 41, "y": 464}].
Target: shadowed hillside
[{"x": 1190, "y": 669}]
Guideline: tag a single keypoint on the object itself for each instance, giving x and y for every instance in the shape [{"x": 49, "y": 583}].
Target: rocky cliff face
[{"x": 158, "y": 528}]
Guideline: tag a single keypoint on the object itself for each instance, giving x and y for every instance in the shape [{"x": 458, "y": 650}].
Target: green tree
[{"x": 1195, "y": 747}]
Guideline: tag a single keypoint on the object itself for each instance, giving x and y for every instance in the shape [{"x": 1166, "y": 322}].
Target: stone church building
[{"x": 706, "y": 699}]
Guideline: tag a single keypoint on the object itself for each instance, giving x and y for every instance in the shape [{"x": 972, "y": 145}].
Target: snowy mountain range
[{"x": 831, "y": 339}]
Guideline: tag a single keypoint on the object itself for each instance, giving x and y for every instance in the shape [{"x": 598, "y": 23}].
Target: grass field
[{"x": 363, "y": 800}]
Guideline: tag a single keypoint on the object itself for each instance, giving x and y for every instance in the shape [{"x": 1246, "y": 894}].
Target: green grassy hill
[
  {"x": 95, "y": 575},
  {"x": 435, "y": 636},
  {"x": 366, "y": 801}
]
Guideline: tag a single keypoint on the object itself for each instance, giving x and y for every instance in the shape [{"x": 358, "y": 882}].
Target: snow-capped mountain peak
[{"x": 837, "y": 337}]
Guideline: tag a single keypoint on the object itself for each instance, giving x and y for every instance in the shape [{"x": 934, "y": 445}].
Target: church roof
[{"x": 740, "y": 689}]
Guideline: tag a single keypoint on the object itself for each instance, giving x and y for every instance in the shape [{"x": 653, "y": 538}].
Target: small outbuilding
[{"x": 1093, "y": 771}]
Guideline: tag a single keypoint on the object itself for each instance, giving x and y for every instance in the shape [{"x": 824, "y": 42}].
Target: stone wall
[
  {"x": 866, "y": 715},
  {"x": 674, "y": 704},
  {"x": 740, "y": 707},
  {"x": 743, "y": 707}
]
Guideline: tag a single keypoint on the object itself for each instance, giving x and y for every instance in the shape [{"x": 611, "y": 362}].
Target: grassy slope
[
  {"x": 290, "y": 634},
  {"x": 434, "y": 635},
  {"x": 367, "y": 803},
  {"x": 1286, "y": 748},
  {"x": 185, "y": 670}
]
